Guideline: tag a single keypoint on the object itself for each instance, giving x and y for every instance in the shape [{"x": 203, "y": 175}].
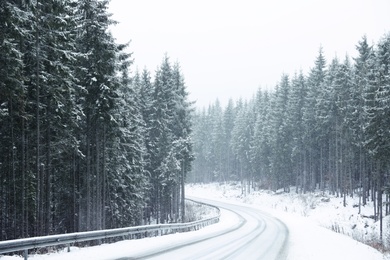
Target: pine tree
[
  {"x": 13, "y": 20},
  {"x": 377, "y": 110},
  {"x": 228, "y": 126},
  {"x": 312, "y": 156},
  {"x": 329, "y": 122},
  {"x": 260, "y": 145},
  {"x": 57, "y": 92},
  {"x": 242, "y": 135},
  {"x": 340, "y": 139},
  {"x": 364, "y": 78},
  {"x": 296, "y": 104},
  {"x": 217, "y": 140},
  {"x": 281, "y": 137},
  {"x": 145, "y": 91},
  {"x": 169, "y": 147},
  {"x": 182, "y": 129},
  {"x": 377, "y": 105},
  {"x": 126, "y": 178},
  {"x": 202, "y": 148},
  {"x": 96, "y": 73},
  {"x": 160, "y": 137}
]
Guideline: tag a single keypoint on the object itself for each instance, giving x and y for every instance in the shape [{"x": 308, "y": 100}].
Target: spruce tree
[
  {"x": 97, "y": 77},
  {"x": 377, "y": 110},
  {"x": 296, "y": 104},
  {"x": 312, "y": 156},
  {"x": 13, "y": 29},
  {"x": 281, "y": 136},
  {"x": 363, "y": 79},
  {"x": 228, "y": 156}
]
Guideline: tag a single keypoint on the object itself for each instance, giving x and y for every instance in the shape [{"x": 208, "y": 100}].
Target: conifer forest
[
  {"x": 84, "y": 144},
  {"x": 328, "y": 130},
  {"x": 87, "y": 143}
]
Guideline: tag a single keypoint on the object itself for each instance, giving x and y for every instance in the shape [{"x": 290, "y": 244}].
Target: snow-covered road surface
[{"x": 257, "y": 235}]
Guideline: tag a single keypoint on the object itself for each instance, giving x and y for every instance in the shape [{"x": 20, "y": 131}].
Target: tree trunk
[
  {"x": 104, "y": 181},
  {"x": 98, "y": 212},
  {"x": 38, "y": 191},
  {"x": 75, "y": 190},
  {"x": 360, "y": 190},
  {"x": 48, "y": 213},
  {"x": 88, "y": 172},
  {"x": 321, "y": 170},
  {"x": 12, "y": 164},
  {"x": 380, "y": 206},
  {"x": 23, "y": 169},
  {"x": 183, "y": 193}
]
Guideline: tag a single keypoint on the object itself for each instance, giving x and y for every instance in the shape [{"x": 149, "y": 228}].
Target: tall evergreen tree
[
  {"x": 296, "y": 104},
  {"x": 97, "y": 76},
  {"x": 281, "y": 136},
  {"x": 378, "y": 113},
  {"x": 217, "y": 140},
  {"x": 260, "y": 145},
  {"x": 170, "y": 148},
  {"x": 125, "y": 174},
  {"x": 228, "y": 120},
  {"x": 242, "y": 135},
  {"x": 364, "y": 78},
  {"x": 14, "y": 18},
  {"x": 202, "y": 148},
  {"x": 312, "y": 156}
]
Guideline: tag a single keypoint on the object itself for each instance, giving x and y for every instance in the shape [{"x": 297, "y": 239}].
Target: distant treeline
[
  {"x": 84, "y": 145},
  {"x": 327, "y": 130}
]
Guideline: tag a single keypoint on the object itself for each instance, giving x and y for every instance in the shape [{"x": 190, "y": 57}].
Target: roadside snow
[
  {"x": 310, "y": 219},
  {"x": 126, "y": 248}
]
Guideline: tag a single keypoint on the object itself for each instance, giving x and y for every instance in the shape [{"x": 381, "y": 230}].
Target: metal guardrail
[{"x": 25, "y": 244}]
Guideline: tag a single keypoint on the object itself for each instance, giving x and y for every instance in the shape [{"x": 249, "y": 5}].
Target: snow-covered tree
[
  {"x": 281, "y": 140},
  {"x": 312, "y": 155},
  {"x": 296, "y": 104}
]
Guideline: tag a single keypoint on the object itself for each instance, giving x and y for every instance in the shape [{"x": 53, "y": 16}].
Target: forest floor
[{"x": 319, "y": 208}]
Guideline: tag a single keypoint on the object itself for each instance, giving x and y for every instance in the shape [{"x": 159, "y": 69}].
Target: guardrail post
[{"x": 25, "y": 254}]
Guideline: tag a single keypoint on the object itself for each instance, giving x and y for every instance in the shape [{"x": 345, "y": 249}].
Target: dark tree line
[
  {"x": 84, "y": 145},
  {"x": 327, "y": 130}
]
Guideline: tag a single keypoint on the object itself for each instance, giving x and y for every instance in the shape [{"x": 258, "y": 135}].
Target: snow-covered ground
[
  {"x": 305, "y": 216},
  {"x": 310, "y": 219},
  {"x": 127, "y": 248}
]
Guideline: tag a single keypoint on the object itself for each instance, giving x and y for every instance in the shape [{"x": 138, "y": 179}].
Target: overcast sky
[{"x": 230, "y": 48}]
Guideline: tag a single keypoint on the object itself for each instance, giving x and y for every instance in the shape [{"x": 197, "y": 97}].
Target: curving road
[{"x": 256, "y": 235}]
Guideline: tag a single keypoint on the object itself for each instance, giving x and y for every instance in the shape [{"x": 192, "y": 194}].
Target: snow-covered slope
[{"x": 310, "y": 218}]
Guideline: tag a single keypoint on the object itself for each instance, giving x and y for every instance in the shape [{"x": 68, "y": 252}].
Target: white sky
[{"x": 230, "y": 48}]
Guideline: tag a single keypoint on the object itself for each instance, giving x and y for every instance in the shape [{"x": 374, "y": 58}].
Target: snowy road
[
  {"x": 244, "y": 232},
  {"x": 257, "y": 235}
]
